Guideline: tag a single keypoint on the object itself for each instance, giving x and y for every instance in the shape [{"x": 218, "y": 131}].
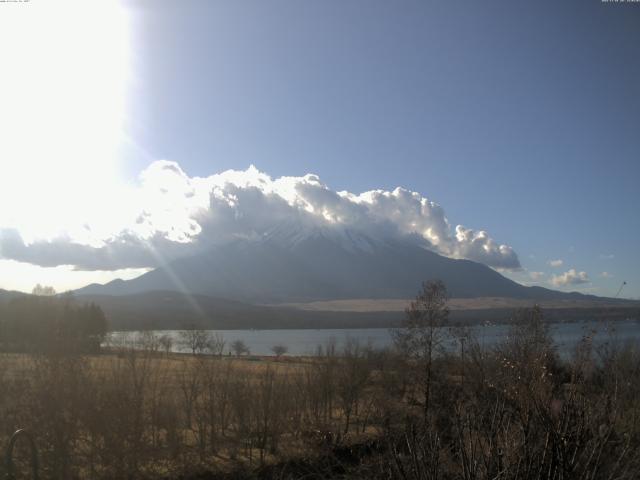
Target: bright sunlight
[{"x": 62, "y": 110}]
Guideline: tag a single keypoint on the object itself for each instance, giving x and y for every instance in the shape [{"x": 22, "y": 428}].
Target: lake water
[{"x": 305, "y": 342}]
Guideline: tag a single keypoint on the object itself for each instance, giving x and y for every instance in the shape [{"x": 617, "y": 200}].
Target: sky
[{"x": 515, "y": 118}]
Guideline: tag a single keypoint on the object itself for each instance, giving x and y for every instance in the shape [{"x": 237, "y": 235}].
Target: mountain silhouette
[{"x": 290, "y": 265}]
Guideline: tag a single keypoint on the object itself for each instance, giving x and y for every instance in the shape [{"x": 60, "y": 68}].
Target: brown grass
[{"x": 480, "y": 303}]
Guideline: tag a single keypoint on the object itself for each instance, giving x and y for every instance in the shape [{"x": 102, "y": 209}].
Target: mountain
[
  {"x": 292, "y": 264},
  {"x": 6, "y": 295}
]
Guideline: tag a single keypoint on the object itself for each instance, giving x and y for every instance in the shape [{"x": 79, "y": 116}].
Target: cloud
[
  {"x": 570, "y": 277},
  {"x": 556, "y": 263},
  {"x": 536, "y": 275},
  {"x": 20, "y": 276},
  {"x": 606, "y": 275},
  {"x": 170, "y": 215},
  {"x": 478, "y": 246},
  {"x": 607, "y": 256}
]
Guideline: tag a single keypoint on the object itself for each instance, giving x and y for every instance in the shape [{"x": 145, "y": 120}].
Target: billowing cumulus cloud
[
  {"x": 170, "y": 215},
  {"x": 570, "y": 277}
]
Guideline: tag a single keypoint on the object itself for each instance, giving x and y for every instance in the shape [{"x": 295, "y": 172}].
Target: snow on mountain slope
[{"x": 293, "y": 264}]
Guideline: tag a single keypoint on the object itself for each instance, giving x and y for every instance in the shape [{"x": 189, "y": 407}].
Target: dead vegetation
[{"x": 514, "y": 411}]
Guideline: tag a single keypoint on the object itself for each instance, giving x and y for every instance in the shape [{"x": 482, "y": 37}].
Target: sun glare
[{"x": 62, "y": 106}]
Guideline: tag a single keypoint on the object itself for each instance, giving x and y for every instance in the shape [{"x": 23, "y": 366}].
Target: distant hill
[
  {"x": 317, "y": 265},
  {"x": 172, "y": 310},
  {"x": 9, "y": 294}
]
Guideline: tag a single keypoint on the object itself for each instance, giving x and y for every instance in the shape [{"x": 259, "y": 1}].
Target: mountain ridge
[{"x": 289, "y": 266}]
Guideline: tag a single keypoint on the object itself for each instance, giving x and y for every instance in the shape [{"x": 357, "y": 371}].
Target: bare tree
[
  {"x": 43, "y": 291},
  {"x": 239, "y": 347},
  {"x": 166, "y": 342},
  {"x": 352, "y": 379},
  {"x": 146, "y": 340},
  {"x": 195, "y": 340},
  {"x": 215, "y": 343},
  {"x": 279, "y": 350},
  {"x": 421, "y": 334}
]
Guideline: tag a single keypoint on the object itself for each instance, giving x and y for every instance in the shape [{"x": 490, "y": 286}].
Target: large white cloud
[
  {"x": 170, "y": 214},
  {"x": 570, "y": 277}
]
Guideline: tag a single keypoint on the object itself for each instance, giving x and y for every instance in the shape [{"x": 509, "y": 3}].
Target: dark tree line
[{"x": 44, "y": 324}]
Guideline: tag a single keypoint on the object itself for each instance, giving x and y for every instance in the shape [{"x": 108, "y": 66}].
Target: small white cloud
[
  {"x": 556, "y": 263},
  {"x": 607, "y": 256},
  {"x": 536, "y": 275},
  {"x": 570, "y": 277},
  {"x": 606, "y": 275}
]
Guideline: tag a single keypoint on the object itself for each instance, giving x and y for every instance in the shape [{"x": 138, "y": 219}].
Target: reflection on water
[{"x": 305, "y": 342}]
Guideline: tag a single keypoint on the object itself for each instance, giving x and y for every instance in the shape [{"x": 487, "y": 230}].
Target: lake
[{"x": 305, "y": 342}]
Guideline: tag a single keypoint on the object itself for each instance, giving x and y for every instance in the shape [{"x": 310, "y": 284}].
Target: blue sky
[{"x": 519, "y": 118}]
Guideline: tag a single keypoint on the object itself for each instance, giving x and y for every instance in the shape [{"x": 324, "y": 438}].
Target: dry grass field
[
  {"x": 512, "y": 411},
  {"x": 131, "y": 414},
  {"x": 480, "y": 303}
]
